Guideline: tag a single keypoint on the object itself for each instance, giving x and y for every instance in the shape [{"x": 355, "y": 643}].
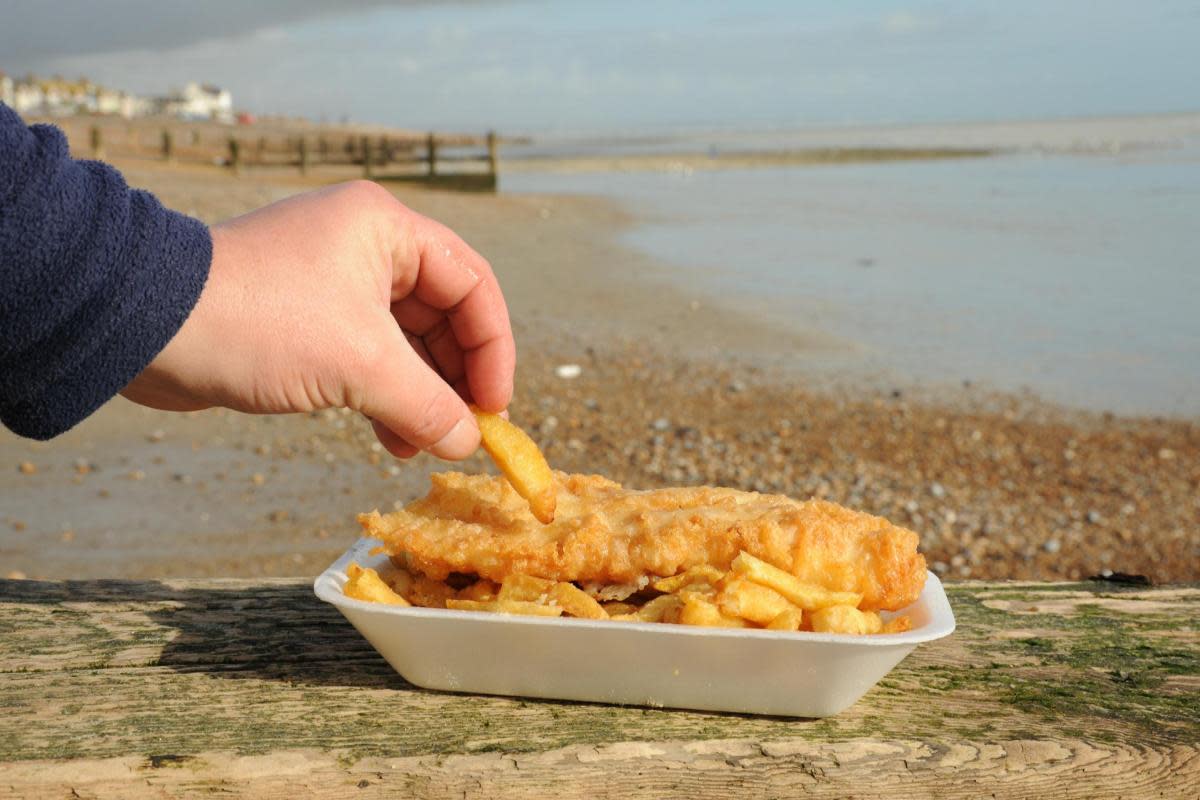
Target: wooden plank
[
  {"x": 1066, "y": 770},
  {"x": 140, "y": 688}
]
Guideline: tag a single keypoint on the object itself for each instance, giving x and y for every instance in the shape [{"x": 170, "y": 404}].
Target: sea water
[{"x": 1074, "y": 276}]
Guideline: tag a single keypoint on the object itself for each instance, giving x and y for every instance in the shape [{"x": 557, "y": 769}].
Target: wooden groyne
[{"x": 451, "y": 160}]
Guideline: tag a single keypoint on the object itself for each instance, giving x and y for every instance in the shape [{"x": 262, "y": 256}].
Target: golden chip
[
  {"x": 807, "y": 596},
  {"x": 482, "y": 589},
  {"x": 401, "y": 581},
  {"x": 525, "y": 587},
  {"x": 704, "y": 573},
  {"x": 365, "y": 584},
  {"x": 656, "y": 609},
  {"x": 577, "y": 602},
  {"x": 897, "y": 625},
  {"x": 846, "y": 619},
  {"x": 428, "y": 593},
  {"x": 704, "y": 591},
  {"x": 522, "y": 463},
  {"x": 698, "y": 611},
  {"x": 752, "y": 601},
  {"x": 505, "y": 607},
  {"x": 618, "y": 609},
  {"x": 788, "y": 620}
]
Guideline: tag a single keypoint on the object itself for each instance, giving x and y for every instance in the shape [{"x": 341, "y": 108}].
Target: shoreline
[
  {"x": 1078, "y": 135},
  {"x": 998, "y": 486},
  {"x": 682, "y": 161}
]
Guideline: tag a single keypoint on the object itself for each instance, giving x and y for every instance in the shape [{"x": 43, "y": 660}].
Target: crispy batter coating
[{"x": 607, "y": 534}]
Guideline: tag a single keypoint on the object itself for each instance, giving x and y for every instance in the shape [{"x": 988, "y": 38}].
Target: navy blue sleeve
[{"x": 95, "y": 279}]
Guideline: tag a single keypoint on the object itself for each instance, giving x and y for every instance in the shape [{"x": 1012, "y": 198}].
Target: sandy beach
[{"x": 670, "y": 391}]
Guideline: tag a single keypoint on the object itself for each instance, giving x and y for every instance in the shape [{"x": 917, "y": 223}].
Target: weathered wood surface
[{"x": 254, "y": 688}]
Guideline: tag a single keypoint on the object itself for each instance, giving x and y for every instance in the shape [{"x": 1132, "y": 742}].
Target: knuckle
[
  {"x": 366, "y": 358},
  {"x": 364, "y": 191},
  {"x": 363, "y": 195}
]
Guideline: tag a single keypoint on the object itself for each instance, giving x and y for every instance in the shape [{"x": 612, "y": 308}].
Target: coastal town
[{"x": 56, "y": 96}]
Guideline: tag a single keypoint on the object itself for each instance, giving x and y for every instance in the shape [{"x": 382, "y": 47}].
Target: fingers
[
  {"x": 489, "y": 354},
  {"x": 430, "y": 334},
  {"x": 393, "y": 443},
  {"x": 451, "y": 278},
  {"x": 409, "y": 399}
]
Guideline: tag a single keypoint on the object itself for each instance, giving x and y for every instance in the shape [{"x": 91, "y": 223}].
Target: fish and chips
[{"x": 546, "y": 543}]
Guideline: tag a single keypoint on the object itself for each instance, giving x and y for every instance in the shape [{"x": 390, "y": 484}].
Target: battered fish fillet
[{"x": 607, "y": 534}]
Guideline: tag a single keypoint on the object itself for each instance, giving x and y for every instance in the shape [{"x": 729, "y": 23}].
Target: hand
[{"x": 343, "y": 297}]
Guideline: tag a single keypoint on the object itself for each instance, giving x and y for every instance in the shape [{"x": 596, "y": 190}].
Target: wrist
[{"x": 167, "y": 382}]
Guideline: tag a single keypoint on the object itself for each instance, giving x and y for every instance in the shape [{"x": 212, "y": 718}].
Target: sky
[{"x": 624, "y": 67}]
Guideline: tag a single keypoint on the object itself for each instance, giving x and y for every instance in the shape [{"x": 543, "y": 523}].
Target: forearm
[{"x": 95, "y": 279}]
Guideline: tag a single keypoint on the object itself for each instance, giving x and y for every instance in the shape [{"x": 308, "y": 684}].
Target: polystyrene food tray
[{"x": 645, "y": 664}]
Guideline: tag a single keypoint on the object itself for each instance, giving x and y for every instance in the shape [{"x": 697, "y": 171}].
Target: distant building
[
  {"x": 200, "y": 101},
  {"x": 60, "y": 97},
  {"x": 108, "y": 101},
  {"x": 134, "y": 106},
  {"x": 28, "y": 96},
  {"x": 52, "y": 96},
  {"x": 122, "y": 104}
]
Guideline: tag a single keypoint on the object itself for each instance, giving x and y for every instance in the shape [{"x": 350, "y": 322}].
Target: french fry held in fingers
[
  {"x": 365, "y": 584},
  {"x": 807, "y": 596},
  {"x": 518, "y": 457}
]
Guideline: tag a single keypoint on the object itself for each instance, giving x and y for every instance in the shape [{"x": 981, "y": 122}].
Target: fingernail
[{"x": 460, "y": 442}]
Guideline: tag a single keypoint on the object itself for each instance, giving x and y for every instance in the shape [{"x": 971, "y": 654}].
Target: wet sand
[{"x": 673, "y": 390}]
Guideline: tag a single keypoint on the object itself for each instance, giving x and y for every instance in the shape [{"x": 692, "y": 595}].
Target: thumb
[{"x": 412, "y": 401}]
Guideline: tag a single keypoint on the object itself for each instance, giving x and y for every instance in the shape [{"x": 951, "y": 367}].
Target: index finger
[
  {"x": 451, "y": 276},
  {"x": 489, "y": 352}
]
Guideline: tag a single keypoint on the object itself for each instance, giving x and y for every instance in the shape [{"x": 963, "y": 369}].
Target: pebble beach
[{"x": 622, "y": 375}]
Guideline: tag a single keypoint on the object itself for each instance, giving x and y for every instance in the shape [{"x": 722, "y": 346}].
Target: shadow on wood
[{"x": 282, "y": 633}]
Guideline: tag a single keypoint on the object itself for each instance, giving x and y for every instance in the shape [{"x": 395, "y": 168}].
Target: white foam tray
[{"x": 644, "y": 664}]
